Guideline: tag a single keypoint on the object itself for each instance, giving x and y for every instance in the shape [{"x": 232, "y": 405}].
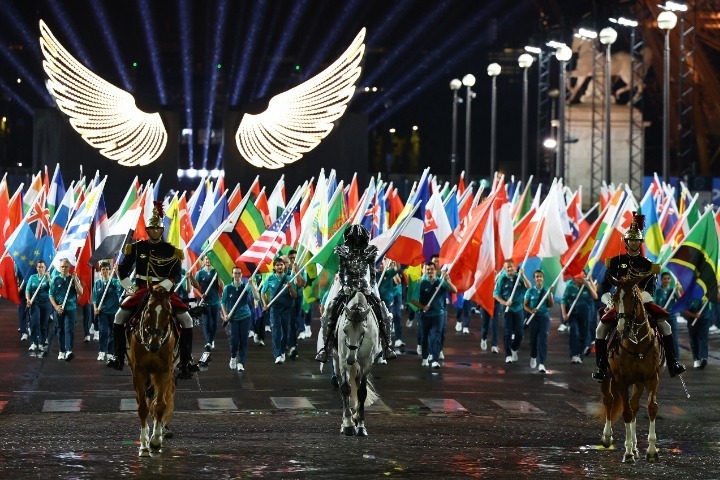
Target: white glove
[
  {"x": 128, "y": 285},
  {"x": 607, "y": 299}
]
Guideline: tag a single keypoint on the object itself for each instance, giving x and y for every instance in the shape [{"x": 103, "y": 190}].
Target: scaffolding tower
[
  {"x": 543, "y": 109},
  {"x": 687, "y": 160},
  {"x": 597, "y": 120},
  {"x": 637, "y": 129}
]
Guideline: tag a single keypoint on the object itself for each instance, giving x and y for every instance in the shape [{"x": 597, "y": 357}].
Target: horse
[
  {"x": 151, "y": 355},
  {"x": 634, "y": 361},
  {"x": 358, "y": 341},
  {"x": 620, "y": 67}
]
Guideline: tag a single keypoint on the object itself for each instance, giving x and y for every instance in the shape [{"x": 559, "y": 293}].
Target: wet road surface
[{"x": 476, "y": 417}]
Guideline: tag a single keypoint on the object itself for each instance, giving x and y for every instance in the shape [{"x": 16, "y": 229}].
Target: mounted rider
[
  {"x": 356, "y": 272},
  {"x": 633, "y": 263},
  {"x": 157, "y": 265}
]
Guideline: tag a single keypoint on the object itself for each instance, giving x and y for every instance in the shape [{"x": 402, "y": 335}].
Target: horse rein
[
  {"x": 151, "y": 332},
  {"x": 635, "y": 327}
]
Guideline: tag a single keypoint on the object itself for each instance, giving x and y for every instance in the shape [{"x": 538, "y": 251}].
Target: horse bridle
[
  {"x": 350, "y": 313},
  {"x": 635, "y": 326},
  {"x": 144, "y": 330}
]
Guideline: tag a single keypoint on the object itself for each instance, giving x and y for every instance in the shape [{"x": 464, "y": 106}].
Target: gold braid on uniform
[{"x": 154, "y": 261}]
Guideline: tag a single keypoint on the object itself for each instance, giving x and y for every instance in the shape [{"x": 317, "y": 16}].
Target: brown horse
[
  {"x": 151, "y": 356},
  {"x": 634, "y": 361}
]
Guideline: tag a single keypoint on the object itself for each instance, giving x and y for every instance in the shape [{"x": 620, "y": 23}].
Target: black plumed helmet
[{"x": 356, "y": 235}]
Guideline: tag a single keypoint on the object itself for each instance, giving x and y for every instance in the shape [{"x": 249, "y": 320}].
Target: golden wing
[
  {"x": 104, "y": 115},
  {"x": 297, "y": 120}
]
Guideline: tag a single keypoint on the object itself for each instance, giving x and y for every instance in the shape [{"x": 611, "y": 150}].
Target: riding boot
[
  {"x": 383, "y": 319},
  {"x": 328, "y": 323},
  {"x": 119, "y": 342},
  {"x": 674, "y": 367},
  {"x": 601, "y": 358},
  {"x": 186, "y": 367}
]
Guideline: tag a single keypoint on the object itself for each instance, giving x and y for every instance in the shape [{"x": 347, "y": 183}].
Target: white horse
[
  {"x": 358, "y": 342},
  {"x": 620, "y": 67}
]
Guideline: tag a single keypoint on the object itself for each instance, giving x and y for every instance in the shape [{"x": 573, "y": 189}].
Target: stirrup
[
  {"x": 322, "y": 356},
  {"x": 676, "y": 369},
  {"x": 600, "y": 375}
]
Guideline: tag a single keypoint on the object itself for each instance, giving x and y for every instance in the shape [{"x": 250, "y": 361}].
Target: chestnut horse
[
  {"x": 634, "y": 361},
  {"x": 151, "y": 357}
]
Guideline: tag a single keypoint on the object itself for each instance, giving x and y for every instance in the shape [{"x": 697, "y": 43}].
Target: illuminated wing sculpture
[
  {"x": 297, "y": 120},
  {"x": 104, "y": 115}
]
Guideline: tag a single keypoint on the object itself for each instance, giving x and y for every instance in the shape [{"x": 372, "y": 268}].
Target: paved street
[{"x": 476, "y": 417}]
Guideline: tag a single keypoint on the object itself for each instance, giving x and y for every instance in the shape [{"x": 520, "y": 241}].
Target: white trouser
[{"x": 123, "y": 316}]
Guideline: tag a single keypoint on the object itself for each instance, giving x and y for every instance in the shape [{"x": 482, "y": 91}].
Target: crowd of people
[{"x": 250, "y": 307}]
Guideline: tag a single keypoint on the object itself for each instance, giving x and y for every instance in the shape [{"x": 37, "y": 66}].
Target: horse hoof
[
  {"x": 362, "y": 432},
  {"x": 629, "y": 458},
  {"x": 348, "y": 431},
  {"x": 606, "y": 442},
  {"x": 652, "y": 457},
  {"x": 144, "y": 452}
]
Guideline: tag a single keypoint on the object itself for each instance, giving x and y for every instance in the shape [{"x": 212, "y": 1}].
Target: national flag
[
  {"x": 694, "y": 263},
  {"x": 352, "y": 196},
  {"x": 9, "y": 288},
  {"x": 436, "y": 228},
  {"x": 577, "y": 256},
  {"x": 612, "y": 232},
  {"x": 278, "y": 234},
  {"x": 172, "y": 218},
  {"x": 407, "y": 249},
  {"x": 196, "y": 202},
  {"x": 652, "y": 232},
  {"x": 63, "y": 213},
  {"x": 326, "y": 256},
  {"x": 451, "y": 210},
  {"x": 262, "y": 205},
  {"x": 208, "y": 227},
  {"x": 230, "y": 243},
  {"x": 38, "y": 217},
  {"x": 56, "y": 192},
  {"x": 14, "y": 217},
  {"x": 543, "y": 237},
  {"x": 36, "y": 186},
  {"x": 120, "y": 233},
  {"x": 461, "y": 184},
  {"x": 84, "y": 272},
  {"x": 276, "y": 200},
  {"x": 483, "y": 273},
  {"x": 77, "y": 231},
  {"x": 336, "y": 211}
]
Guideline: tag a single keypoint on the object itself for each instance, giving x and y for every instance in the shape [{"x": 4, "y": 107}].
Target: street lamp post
[
  {"x": 666, "y": 21},
  {"x": 563, "y": 54},
  {"x": 468, "y": 80},
  {"x": 607, "y": 36},
  {"x": 493, "y": 70},
  {"x": 455, "y": 85},
  {"x": 525, "y": 61}
]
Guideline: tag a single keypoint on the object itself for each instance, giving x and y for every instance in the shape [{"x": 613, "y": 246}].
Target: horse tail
[{"x": 372, "y": 395}]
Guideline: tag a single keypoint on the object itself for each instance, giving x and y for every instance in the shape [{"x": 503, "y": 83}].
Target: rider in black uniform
[
  {"x": 357, "y": 267},
  {"x": 633, "y": 263}
]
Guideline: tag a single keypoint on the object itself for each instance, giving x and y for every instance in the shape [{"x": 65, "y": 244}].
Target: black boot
[
  {"x": 674, "y": 367},
  {"x": 388, "y": 351},
  {"x": 324, "y": 354},
  {"x": 186, "y": 367},
  {"x": 601, "y": 358},
  {"x": 119, "y": 342},
  {"x": 383, "y": 320}
]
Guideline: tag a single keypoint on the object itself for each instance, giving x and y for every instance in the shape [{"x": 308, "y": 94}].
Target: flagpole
[
  {"x": 105, "y": 290},
  {"x": 572, "y": 307},
  {"x": 670, "y": 297},
  {"x": 47, "y": 275},
  {"x": 699, "y": 313}
]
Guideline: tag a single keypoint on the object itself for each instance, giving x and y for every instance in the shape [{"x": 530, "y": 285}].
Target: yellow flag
[{"x": 173, "y": 213}]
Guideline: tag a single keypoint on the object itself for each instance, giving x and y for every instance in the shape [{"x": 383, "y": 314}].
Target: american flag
[{"x": 284, "y": 231}]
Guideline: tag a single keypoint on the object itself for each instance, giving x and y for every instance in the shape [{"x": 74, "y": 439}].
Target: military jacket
[
  {"x": 153, "y": 262},
  {"x": 626, "y": 265}
]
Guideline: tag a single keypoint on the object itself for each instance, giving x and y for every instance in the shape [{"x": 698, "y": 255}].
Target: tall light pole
[
  {"x": 607, "y": 36},
  {"x": 468, "y": 80},
  {"x": 525, "y": 61},
  {"x": 563, "y": 54},
  {"x": 455, "y": 85},
  {"x": 493, "y": 70},
  {"x": 666, "y": 21}
]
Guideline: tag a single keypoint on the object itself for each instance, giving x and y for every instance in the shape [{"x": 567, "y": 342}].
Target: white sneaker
[
  {"x": 576, "y": 359},
  {"x": 562, "y": 328},
  {"x": 466, "y": 331},
  {"x": 279, "y": 360},
  {"x": 96, "y": 336},
  {"x": 541, "y": 368},
  {"x": 212, "y": 345},
  {"x": 441, "y": 355},
  {"x": 399, "y": 343},
  {"x": 33, "y": 347},
  {"x": 87, "y": 339},
  {"x": 409, "y": 323},
  {"x": 61, "y": 356},
  {"x": 435, "y": 365},
  {"x": 251, "y": 334},
  {"x": 419, "y": 349},
  {"x": 256, "y": 338},
  {"x": 261, "y": 343},
  {"x": 483, "y": 345},
  {"x": 283, "y": 357},
  {"x": 514, "y": 355},
  {"x": 101, "y": 357},
  {"x": 424, "y": 363},
  {"x": 508, "y": 359},
  {"x": 301, "y": 335},
  {"x": 23, "y": 337},
  {"x": 696, "y": 364},
  {"x": 308, "y": 331},
  {"x": 233, "y": 363},
  {"x": 109, "y": 356},
  {"x": 240, "y": 367},
  {"x": 713, "y": 329},
  {"x": 533, "y": 363},
  {"x": 495, "y": 350},
  {"x": 458, "y": 326},
  {"x": 268, "y": 328}
]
